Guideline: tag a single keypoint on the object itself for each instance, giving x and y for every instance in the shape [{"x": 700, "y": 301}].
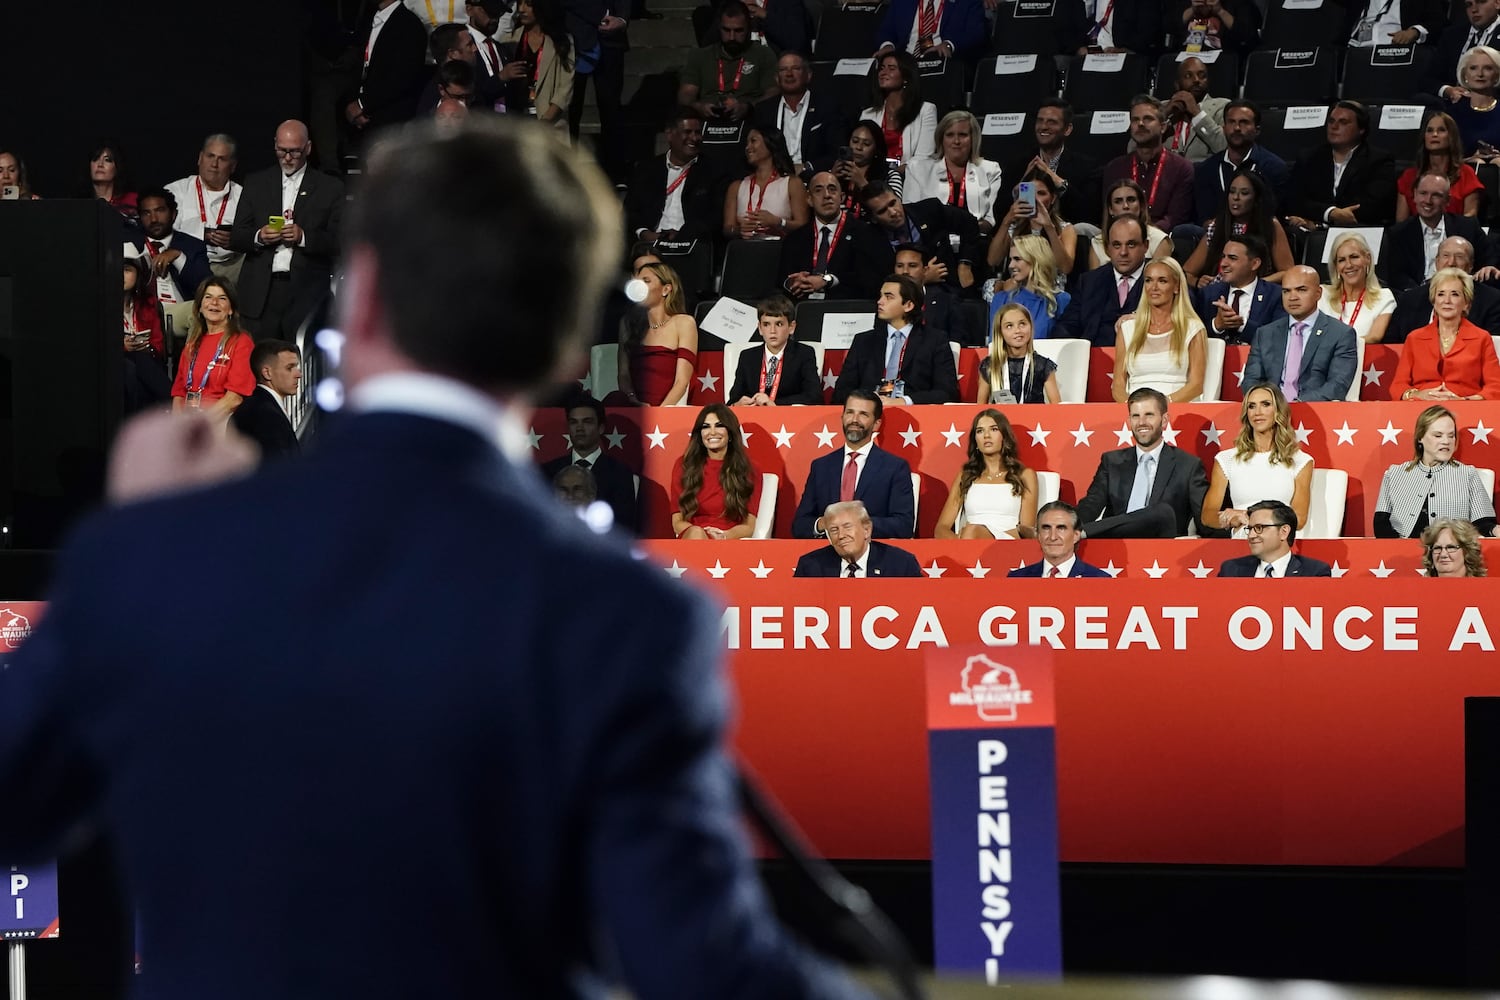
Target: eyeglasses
[
  {"x": 1449, "y": 550},
  {"x": 1256, "y": 529},
  {"x": 287, "y": 154}
]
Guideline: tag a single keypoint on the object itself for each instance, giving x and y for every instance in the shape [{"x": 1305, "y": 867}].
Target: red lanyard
[
  {"x": 739, "y": 71},
  {"x": 1344, "y": 302},
  {"x": 1135, "y": 175},
  {"x": 536, "y": 73},
  {"x": 956, "y": 197},
  {"x": 751, "y": 205},
  {"x": 1180, "y": 135},
  {"x": 765, "y": 359},
  {"x": 203, "y": 211},
  {"x": 680, "y": 177},
  {"x": 833, "y": 242},
  {"x": 893, "y": 137},
  {"x": 1099, "y": 24}
]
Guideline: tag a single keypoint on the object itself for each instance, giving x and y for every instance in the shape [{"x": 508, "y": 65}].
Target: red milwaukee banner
[{"x": 1257, "y": 722}]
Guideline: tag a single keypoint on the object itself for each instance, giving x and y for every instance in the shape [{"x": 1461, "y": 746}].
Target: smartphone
[
  {"x": 1026, "y": 194},
  {"x": 276, "y": 221},
  {"x": 10, "y": 193},
  {"x": 845, "y": 154}
]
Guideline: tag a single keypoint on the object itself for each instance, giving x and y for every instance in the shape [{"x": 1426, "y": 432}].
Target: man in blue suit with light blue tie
[
  {"x": 1057, "y": 531},
  {"x": 552, "y": 787},
  {"x": 1240, "y": 302},
  {"x": 859, "y": 471},
  {"x": 1311, "y": 355}
]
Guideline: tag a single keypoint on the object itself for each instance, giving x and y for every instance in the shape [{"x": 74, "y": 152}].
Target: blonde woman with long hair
[
  {"x": 656, "y": 363},
  {"x": 1032, "y": 283},
  {"x": 1265, "y": 463},
  {"x": 1161, "y": 346},
  {"x": 1014, "y": 372},
  {"x": 1355, "y": 296}
]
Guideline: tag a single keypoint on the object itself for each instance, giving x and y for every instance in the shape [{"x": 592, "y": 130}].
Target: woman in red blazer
[{"x": 1449, "y": 358}]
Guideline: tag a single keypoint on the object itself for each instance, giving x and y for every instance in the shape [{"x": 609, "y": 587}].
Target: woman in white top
[
  {"x": 1126, "y": 197},
  {"x": 994, "y": 495},
  {"x": 1264, "y": 464},
  {"x": 770, "y": 201},
  {"x": 959, "y": 175},
  {"x": 1356, "y": 296},
  {"x": 908, "y": 123},
  {"x": 1161, "y": 345}
]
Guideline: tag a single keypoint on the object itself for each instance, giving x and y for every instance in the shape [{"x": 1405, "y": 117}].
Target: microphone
[{"x": 856, "y": 917}]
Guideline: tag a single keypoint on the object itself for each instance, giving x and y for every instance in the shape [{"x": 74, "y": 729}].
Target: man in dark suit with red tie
[
  {"x": 836, "y": 256},
  {"x": 1057, "y": 531},
  {"x": 859, "y": 471},
  {"x": 851, "y": 552},
  {"x": 1272, "y": 528},
  {"x": 901, "y": 360}
]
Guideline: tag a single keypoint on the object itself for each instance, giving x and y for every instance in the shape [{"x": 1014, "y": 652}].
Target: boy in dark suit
[
  {"x": 1057, "y": 530},
  {"x": 1272, "y": 529},
  {"x": 261, "y": 416},
  {"x": 780, "y": 371},
  {"x": 850, "y": 552}
]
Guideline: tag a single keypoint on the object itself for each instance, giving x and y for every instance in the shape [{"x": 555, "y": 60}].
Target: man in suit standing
[
  {"x": 779, "y": 371},
  {"x": 1414, "y": 307},
  {"x": 1240, "y": 302},
  {"x": 851, "y": 553},
  {"x": 394, "y": 69},
  {"x": 262, "y": 415},
  {"x": 1057, "y": 531},
  {"x": 1346, "y": 182},
  {"x": 1410, "y": 254},
  {"x": 614, "y": 482},
  {"x": 900, "y": 359},
  {"x": 837, "y": 256},
  {"x": 859, "y": 471},
  {"x": 1149, "y": 490},
  {"x": 1104, "y": 294},
  {"x": 813, "y": 128},
  {"x": 1481, "y": 28},
  {"x": 287, "y": 267},
  {"x": 1311, "y": 355},
  {"x": 178, "y": 261},
  {"x": 601, "y": 38},
  {"x": 673, "y": 198},
  {"x": 1272, "y": 528},
  {"x": 1242, "y": 151},
  {"x": 315, "y": 762}
]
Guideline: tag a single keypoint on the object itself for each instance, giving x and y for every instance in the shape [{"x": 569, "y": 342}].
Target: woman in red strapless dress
[
  {"x": 716, "y": 489},
  {"x": 656, "y": 366}
]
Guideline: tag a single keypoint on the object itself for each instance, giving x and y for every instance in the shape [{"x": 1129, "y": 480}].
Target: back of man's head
[{"x": 493, "y": 275}]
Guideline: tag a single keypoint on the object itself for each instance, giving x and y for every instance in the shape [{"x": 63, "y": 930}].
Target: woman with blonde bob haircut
[
  {"x": 1161, "y": 346},
  {"x": 1355, "y": 296},
  {"x": 1032, "y": 283},
  {"x": 956, "y": 174},
  {"x": 1450, "y": 548}
]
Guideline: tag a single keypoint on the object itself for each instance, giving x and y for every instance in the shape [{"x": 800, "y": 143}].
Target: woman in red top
[
  {"x": 656, "y": 363},
  {"x": 146, "y": 379},
  {"x": 1442, "y": 153},
  {"x": 1449, "y": 358},
  {"x": 214, "y": 373},
  {"x": 107, "y": 177},
  {"x": 718, "y": 490}
]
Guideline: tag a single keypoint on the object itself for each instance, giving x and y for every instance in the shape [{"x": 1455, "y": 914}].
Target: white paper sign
[
  {"x": 1207, "y": 55},
  {"x": 1110, "y": 122},
  {"x": 1104, "y": 62},
  {"x": 1301, "y": 4},
  {"x": 731, "y": 320},
  {"x": 840, "y": 329},
  {"x": 1306, "y": 116},
  {"x": 1401, "y": 116},
  {"x": 1004, "y": 124},
  {"x": 1372, "y": 234},
  {"x": 1010, "y": 65},
  {"x": 853, "y": 67}
]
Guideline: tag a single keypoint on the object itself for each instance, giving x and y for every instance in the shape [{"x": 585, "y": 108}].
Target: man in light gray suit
[{"x": 1312, "y": 356}]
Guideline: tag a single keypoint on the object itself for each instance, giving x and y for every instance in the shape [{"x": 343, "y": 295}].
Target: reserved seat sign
[{"x": 992, "y": 762}]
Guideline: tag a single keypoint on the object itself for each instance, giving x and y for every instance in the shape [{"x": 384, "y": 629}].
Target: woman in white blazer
[
  {"x": 959, "y": 175},
  {"x": 896, "y": 105}
]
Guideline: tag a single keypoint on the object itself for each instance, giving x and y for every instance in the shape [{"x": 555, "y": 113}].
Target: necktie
[
  {"x": 1140, "y": 492},
  {"x": 1053, "y": 572},
  {"x": 1293, "y": 367},
  {"x": 771, "y": 364},
  {"x": 1235, "y": 299},
  {"x": 851, "y": 477},
  {"x": 853, "y": 569},
  {"x": 583, "y": 465},
  {"x": 893, "y": 355},
  {"x": 927, "y": 24},
  {"x": 824, "y": 248},
  {"x": 1270, "y": 571},
  {"x": 1124, "y": 289},
  {"x": 489, "y": 46},
  {"x": 155, "y": 247}
]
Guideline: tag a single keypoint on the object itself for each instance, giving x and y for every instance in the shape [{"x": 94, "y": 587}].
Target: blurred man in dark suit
[
  {"x": 613, "y": 480},
  {"x": 443, "y": 690}
]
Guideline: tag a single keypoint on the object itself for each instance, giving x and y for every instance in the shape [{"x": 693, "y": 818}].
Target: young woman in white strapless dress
[{"x": 994, "y": 495}]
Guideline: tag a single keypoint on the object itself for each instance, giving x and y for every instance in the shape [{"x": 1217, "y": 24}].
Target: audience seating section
[
  {"x": 1223, "y": 73},
  {"x": 1105, "y": 81},
  {"x": 1384, "y": 73},
  {"x": 1280, "y": 77},
  {"x": 1029, "y": 26},
  {"x": 1013, "y": 83},
  {"x": 1292, "y": 23},
  {"x": 752, "y": 269}
]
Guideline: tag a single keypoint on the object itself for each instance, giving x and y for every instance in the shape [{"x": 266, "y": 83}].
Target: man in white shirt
[
  {"x": 672, "y": 198},
  {"x": 206, "y": 202},
  {"x": 1412, "y": 246},
  {"x": 1271, "y": 529}
]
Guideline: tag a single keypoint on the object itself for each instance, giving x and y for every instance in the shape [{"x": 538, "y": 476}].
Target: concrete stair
[{"x": 655, "y": 47}]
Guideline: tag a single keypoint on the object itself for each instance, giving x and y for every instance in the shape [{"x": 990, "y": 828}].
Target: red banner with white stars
[{"x": 1363, "y": 439}]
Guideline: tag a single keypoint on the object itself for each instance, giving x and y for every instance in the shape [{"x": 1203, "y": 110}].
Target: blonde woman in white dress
[
  {"x": 1264, "y": 464},
  {"x": 1161, "y": 346}
]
